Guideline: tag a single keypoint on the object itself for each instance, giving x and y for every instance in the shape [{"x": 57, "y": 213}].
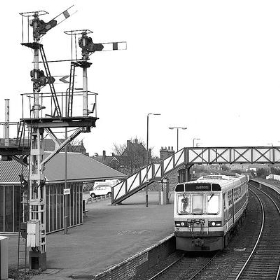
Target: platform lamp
[
  {"x": 148, "y": 154},
  {"x": 177, "y": 128}
]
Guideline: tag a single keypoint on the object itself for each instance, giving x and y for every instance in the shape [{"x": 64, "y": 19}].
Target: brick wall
[
  {"x": 173, "y": 181},
  {"x": 138, "y": 264}
]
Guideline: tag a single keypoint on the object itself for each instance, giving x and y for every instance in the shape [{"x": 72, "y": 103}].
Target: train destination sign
[{"x": 190, "y": 187}]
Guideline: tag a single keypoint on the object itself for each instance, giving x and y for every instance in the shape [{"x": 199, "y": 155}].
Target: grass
[{"x": 21, "y": 274}]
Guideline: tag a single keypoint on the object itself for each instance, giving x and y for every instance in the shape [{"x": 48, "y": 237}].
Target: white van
[{"x": 103, "y": 188}]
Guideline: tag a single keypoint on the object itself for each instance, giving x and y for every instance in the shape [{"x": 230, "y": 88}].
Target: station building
[{"x": 80, "y": 169}]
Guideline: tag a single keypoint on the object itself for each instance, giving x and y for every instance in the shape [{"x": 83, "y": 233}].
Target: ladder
[
  {"x": 22, "y": 234},
  {"x": 70, "y": 91},
  {"x": 57, "y": 111},
  {"x": 22, "y": 248},
  {"x": 20, "y": 134}
]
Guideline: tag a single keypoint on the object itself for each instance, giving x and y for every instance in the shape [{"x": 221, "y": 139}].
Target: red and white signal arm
[
  {"x": 114, "y": 46},
  {"x": 66, "y": 191}
]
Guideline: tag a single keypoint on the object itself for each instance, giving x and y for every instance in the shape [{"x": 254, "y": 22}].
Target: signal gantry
[{"x": 53, "y": 110}]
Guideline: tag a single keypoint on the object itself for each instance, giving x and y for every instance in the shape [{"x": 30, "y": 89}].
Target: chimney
[{"x": 166, "y": 152}]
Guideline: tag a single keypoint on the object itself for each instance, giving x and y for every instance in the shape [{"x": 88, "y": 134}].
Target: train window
[
  {"x": 184, "y": 205},
  {"x": 212, "y": 204},
  {"x": 197, "y": 204},
  {"x": 229, "y": 198}
]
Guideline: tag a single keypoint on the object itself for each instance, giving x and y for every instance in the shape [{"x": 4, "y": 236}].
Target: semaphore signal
[{"x": 49, "y": 111}]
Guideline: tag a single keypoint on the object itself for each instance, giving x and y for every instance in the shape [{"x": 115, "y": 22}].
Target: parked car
[{"x": 101, "y": 190}]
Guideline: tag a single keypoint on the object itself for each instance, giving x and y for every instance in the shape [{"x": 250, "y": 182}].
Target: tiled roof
[
  {"x": 79, "y": 168},
  {"x": 10, "y": 171}
]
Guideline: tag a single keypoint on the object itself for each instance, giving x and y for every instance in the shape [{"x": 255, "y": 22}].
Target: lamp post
[
  {"x": 270, "y": 156},
  {"x": 177, "y": 127},
  {"x": 148, "y": 154},
  {"x": 194, "y": 140}
]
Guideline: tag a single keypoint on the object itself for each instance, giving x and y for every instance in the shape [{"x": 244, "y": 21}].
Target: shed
[{"x": 80, "y": 169}]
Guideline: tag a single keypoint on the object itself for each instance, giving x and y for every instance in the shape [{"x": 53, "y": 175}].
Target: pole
[
  {"x": 85, "y": 82},
  {"x": 147, "y": 195},
  {"x": 177, "y": 128},
  {"x": 65, "y": 195},
  {"x": 7, "y": 119},
  {"x": 194, "y": 140},
  {"x": 37, "y": 189},
  {"x": 85, "y": 93},
  {"x": 177, "y": 139}
]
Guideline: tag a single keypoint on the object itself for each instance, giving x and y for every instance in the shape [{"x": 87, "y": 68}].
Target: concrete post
[
  {"x": 184, "y": 175},
  {"x": 163, "y": 193},
  {"x": 3, "y": 258}
]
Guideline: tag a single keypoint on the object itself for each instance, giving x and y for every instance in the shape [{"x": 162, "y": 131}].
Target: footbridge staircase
[{"x": 186, "y": 158}]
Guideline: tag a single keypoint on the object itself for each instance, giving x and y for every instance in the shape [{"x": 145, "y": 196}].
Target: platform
[
  {"x": 110, "y": 234},
  {"x": 13, "y": 149}
]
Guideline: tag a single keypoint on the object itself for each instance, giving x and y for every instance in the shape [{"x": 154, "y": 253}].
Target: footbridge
[{"x": 185, "y": 158}]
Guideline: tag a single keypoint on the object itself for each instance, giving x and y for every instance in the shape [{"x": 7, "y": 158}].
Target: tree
[
  {"x": 275, "y": 170},
  {"x": 76, "y": 146},
  {"x": 132, "y": 155},
  {"x": 225, "y": 168},
  {"x": 262, "y": 172}
]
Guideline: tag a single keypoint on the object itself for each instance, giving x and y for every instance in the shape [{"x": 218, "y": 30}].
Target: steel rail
[
  {"x": 258, "y": 239},
  {"x": 278, "y": 209},
  {"x": 260, "y": 234},
  {"x": 203, "y": 268},
  {"x": 166, "y": 268},
  {"x": 199, "y": 270}
]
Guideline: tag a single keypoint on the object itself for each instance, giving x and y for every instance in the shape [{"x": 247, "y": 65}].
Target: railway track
[
  {"x": 264, "y": 259},
  {"x": 257, "y": 256},
  {"x": 184, "y": 267}
]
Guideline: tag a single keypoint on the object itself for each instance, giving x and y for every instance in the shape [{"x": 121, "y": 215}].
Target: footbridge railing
[
  {"x": 189, "y": 156},
  {"x": 146, "y": 176}
]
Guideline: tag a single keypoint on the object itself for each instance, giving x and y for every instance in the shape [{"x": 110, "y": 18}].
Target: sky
[{"x": 210, "y": 66}]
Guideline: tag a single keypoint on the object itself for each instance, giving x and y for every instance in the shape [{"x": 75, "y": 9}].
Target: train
[{"x": 208, "y": 210}]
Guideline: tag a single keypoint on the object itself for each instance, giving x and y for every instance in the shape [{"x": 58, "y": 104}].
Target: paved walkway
[{"x": 109, "y": 235}]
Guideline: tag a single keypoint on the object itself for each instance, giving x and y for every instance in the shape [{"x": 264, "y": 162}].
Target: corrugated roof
[{"x": 79, "y": 168}]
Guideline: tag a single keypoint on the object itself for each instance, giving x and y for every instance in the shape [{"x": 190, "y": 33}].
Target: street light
[
  {"x": 177, "y": 127},
  {"x": 148, "y": 154},
  {"x": 194, "y": 140}
]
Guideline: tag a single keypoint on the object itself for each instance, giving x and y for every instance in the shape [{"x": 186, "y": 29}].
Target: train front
[{"x": 198, "y": 216}]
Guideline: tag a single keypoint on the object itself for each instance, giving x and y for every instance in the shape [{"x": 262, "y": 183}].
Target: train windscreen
[
  {"x": 198, "y": 204},
  {"x": 212, "y": 204}
]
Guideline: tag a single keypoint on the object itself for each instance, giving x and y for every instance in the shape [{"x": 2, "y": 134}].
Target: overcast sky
[{"x": 210, "y": 66}]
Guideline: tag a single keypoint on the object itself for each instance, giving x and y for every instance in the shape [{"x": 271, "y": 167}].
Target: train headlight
[
  {"x": 214, "y": 224},
  {"x": 181, "y": 224}
]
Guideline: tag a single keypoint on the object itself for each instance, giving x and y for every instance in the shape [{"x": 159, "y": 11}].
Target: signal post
[{"x": 48, "y": 116}]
